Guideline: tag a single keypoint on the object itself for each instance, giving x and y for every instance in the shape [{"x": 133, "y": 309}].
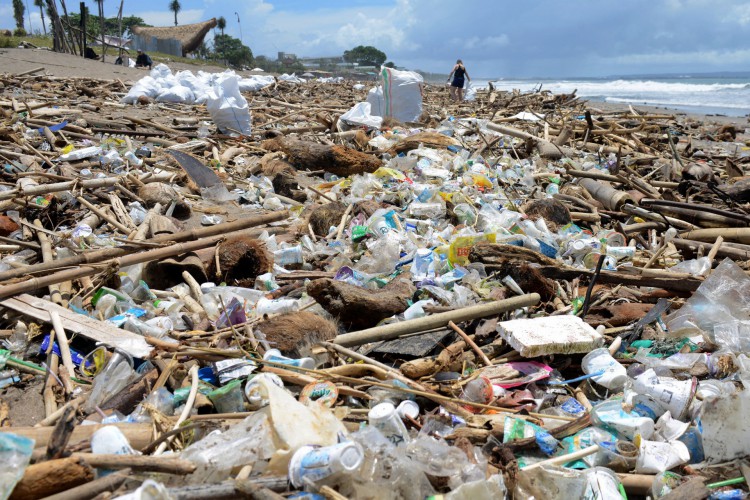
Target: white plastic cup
[
  {"x": 615, "y": 375},
  {"x": 315, "y": 463},
  {"x": 664, "y": 394},
  {"x": 407, "y": 408},
  {"x": 385, "y": 418}
]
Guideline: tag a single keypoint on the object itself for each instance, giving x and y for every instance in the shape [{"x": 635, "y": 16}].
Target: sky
[{"x": 494, "y": 38}]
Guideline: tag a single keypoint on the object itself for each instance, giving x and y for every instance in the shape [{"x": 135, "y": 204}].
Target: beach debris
[{"x": 219, "y": 286}]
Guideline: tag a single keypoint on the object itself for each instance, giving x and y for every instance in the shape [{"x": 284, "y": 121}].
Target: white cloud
[
  {"x": 740, "y": 14},
  {"x": 166, "y": 18}
]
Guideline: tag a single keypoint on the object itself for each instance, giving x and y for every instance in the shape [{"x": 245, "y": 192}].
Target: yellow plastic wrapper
[
  {"x": 389, "y": 173},
  {"x": 458, "y": 253}
]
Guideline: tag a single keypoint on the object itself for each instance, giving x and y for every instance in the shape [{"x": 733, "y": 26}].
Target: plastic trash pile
[{"x": 467, "y": 307}]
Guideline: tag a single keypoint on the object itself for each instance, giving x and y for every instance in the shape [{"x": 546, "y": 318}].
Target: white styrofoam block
[{"x": 550, "y": 335}]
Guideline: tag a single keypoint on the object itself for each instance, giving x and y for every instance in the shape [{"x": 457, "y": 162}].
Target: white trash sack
[
  {"x": 229, "y": 110},
  {"x": 399, "y": 95}
]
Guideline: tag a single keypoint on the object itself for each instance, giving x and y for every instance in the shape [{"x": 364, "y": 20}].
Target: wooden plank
[{"x": 100, "y": 331}]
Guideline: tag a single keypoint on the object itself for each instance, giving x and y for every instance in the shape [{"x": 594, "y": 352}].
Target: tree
[
  {"x": 175, "y": 7},
  {"x": 18, "y": 11},
  {"x": 390, "y": 64},
  {"x": 40, "y": 4},
  {"x": 233, "y": 51},
  {"x": 365, "y": 56},
  {"x": 221, "y": 23}
]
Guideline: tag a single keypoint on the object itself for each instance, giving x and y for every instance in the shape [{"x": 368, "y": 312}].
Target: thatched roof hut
[{"x": 189, "y": 36}]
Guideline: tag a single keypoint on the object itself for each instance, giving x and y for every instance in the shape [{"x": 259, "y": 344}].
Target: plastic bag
[
  {"x": 228, "y": 109},
  {"x": 359, "y": 115},
  {"x": 15, "y": 453}
]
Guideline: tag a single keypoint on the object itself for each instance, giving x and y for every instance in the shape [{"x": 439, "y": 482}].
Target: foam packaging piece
[{"x": 551, "y": 335}]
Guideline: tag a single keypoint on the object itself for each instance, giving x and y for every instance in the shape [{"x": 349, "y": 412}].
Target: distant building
[
  {"x": 287, "y": 58},
  {"x": 322, "y": 62}
]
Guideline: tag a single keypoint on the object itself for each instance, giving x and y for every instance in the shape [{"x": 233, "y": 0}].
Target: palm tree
[
  {"x": 40, "y": 4},
  {"x": 175, "y": 7},
  {"x": 18, "y": 11},
  {"x": 221, "y": 23}
]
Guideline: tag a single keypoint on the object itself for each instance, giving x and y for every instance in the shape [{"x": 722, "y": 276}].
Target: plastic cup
[
  {"x": 662, "y": 394},
  {"x": 385, "y": 418},
  {"x": 407, "y": 408},
  {"x": 613, "y": 238},
  {"x": 315, "y": 463},
  {"x": 615, "y": 375},
  {"x": 228, "y": 399}
]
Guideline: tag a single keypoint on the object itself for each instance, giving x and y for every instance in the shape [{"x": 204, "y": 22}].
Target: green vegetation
[
  {"x": 7, "y": 42},
  {"x": 232, "y": 51},
  {"x": 365, "y": 56},
  {"x": 111, "y": 26}
]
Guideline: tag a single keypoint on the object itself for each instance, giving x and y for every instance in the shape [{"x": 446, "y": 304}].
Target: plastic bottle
[
  {"x": 111, "y": 380},
  {"x": 313, "y": 463},
  {"x": 478, "y": 390},
  {"x": 276, "y": 306}
]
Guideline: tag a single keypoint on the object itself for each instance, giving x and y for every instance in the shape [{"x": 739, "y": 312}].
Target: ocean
[{"x": 729, "y": 96}]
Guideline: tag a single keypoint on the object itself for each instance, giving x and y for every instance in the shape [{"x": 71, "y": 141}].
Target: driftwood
[{"x": 50, "y": 477}]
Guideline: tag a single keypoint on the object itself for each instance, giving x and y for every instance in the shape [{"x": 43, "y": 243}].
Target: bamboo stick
[
  {"x": 396, "y": 330},
  {"x": 56, "y": 187}
]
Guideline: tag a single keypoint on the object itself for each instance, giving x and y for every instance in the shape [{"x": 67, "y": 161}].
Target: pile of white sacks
[{"x": 185, "y": 87}]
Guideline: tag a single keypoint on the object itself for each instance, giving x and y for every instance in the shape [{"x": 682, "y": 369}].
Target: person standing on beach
[{"x": 457, "y": 85}]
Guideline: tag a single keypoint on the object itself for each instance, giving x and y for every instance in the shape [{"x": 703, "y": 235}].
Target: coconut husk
[
  {"x": 338, "y": 160},
  {"x": 241, "y": 260},
  {"x": 323, "y": 217},
  {"x": 295, "y": 333},
  {"x": 553, "y": 212}
]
